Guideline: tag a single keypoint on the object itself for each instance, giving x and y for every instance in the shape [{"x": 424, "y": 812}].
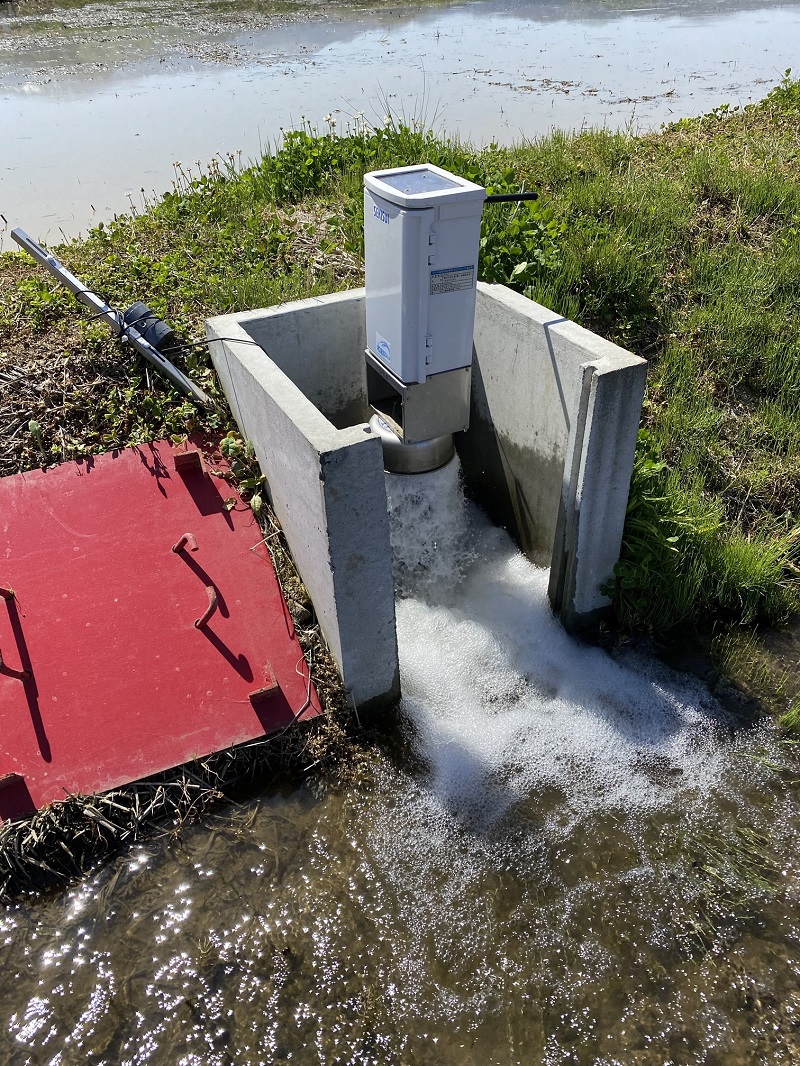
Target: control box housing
[{"x": 421, "y": 237}]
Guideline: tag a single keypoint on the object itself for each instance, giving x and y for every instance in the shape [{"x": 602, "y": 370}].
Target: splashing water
[
  {"x": 430, "y": 532},
  {"x": 507, "y": 705},
  {"x": 586, "y": 861}
]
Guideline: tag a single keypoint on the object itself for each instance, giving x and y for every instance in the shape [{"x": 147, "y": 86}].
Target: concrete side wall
[
  {"x": 327, "y": 489},
  {"x": 595, "y": 486},
  {"x": 319, "y": 344},
  {"x": 549, "y": 452},
  {"x": 525, "y": 379}
]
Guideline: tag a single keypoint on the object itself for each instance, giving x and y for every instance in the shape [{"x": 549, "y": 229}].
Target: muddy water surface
[
  {"x": 98, "y": 100},
  {"x": 568, "y": 858}
]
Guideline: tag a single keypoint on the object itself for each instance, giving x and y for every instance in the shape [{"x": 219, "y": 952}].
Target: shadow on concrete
[
  {"x": 546, "y": 326},
  {"x": 509, "y": 481}
]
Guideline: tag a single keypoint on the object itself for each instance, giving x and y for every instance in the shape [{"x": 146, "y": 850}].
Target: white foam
[
  {"x": 429, "y": 530},
  {"x": 505, "y": 704}
]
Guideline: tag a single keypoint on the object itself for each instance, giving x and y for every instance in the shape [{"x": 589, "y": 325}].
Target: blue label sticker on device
[
  {"x": 453, "y": 279},
  {"x": 383, "y": 348}
]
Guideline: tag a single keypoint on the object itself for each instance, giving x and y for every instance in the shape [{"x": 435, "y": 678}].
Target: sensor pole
[{"x": 114, "y": 318}]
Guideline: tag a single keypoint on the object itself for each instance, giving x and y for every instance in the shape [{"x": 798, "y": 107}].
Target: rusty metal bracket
[
  {"x": 189, "y": 462},
  {"x": 210, "y": 610},
  {"x": 187, "y": 538},
  {"x": 269, "y": 688},
  {"x": 263, "y": 695},
  {"x": 7, "y": 671}
]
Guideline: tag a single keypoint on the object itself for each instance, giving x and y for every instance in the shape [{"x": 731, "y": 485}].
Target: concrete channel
[{"x": 554, "y": 413}]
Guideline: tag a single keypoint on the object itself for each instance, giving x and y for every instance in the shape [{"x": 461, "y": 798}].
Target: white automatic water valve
[{"x": 421, "y": 237}]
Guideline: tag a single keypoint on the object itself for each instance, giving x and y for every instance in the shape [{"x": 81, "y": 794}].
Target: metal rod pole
[{"x": 113, "y": 317}]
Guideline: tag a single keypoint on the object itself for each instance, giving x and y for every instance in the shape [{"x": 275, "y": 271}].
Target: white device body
[{"x": 421, "y": 240}]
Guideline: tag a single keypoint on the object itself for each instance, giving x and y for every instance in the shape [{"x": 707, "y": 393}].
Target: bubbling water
[
  {"x": 430, "y": 532},
  {"x": 505, "y": 704}
]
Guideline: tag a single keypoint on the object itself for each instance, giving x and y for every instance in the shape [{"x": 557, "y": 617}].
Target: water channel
[
  {"x": 571, "y": 858},
  {"x": 98, "y": 100}
]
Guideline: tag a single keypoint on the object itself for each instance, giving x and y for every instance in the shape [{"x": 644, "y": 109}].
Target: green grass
[
  {"x": 683, "y": 246},
  {"x": 734, "y": 874},
  {"x": 789, "y": 721}
]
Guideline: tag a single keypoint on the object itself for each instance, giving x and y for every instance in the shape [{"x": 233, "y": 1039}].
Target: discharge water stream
[{"x": 563, "y": 857}]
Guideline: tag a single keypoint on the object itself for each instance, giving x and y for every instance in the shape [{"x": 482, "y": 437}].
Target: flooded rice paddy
[
  {"x": 562, "y": 857},
  {"x": 98, "y": 100}
]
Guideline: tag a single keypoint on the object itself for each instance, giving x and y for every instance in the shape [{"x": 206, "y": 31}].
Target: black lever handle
[{"x": 510, "y": 197}]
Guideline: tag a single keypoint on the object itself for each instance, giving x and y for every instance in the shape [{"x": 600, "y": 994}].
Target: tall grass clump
[{"x": 683, "y": 247}]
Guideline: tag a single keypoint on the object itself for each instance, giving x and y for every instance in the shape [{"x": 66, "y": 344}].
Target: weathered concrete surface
[
  {"x": 595, "y": 486},
  {"x": 325, "y": 484},
  {"x": 319, "y": 344},
  {"x": 549, "y": 452}
]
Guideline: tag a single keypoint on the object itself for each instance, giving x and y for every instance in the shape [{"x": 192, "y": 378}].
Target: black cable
[
  {"x": 510, "y": 197},
  {"x": 100, "y": 314},
  {"x": 90, "y": 292},
  {"x": 135, "y": 322},
  {"x": 119, "y": 315},
  {"x": 122, "y": 325},
  {"x": 120, "y": 321}
]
